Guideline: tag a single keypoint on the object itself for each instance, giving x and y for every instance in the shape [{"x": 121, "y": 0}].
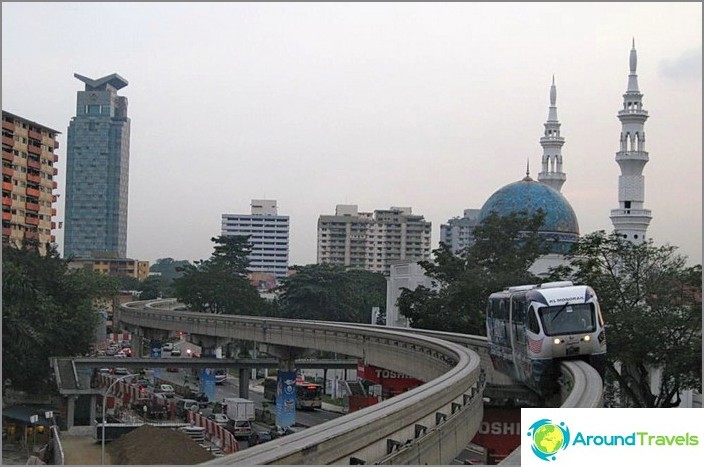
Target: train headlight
[
  {"x": 556, "y": 341},
  {"x": 587, "y": 338}
]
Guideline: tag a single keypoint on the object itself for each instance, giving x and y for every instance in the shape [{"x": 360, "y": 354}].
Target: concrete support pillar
[
  {"x": 244, "y": 383},
  {"x": 71, "y": 412},
  {"x": 93, "y": 409}
]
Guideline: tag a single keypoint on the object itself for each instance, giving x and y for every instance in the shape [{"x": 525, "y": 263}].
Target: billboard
[{"x": 286, "y": 398}]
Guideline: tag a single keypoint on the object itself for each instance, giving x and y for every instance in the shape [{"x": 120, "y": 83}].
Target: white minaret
[
  {"x": 552, "y": 142},
  {"x": 630, "y": 219}
]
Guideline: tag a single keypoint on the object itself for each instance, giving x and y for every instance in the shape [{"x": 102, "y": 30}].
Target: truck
[{"x": 236, "y": 408}]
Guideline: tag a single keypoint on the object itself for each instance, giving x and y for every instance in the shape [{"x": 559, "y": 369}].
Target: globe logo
[{"x": 548, "y": 438}]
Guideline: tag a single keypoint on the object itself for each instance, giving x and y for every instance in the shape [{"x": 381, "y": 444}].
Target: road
[{"x": 230, "y": 388}]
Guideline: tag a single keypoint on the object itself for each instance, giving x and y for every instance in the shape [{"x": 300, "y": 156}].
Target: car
[
  {"x": 121, "y": 371},
  {"x": 259, "y": 437},
  {"x": 219, "y": 418},
  {"x": 172, "y": 369},
  {"x": 239, "y": 428},
  {"x": 220, "y": 376},
  {"x": 120, "y": 354},
  {"x": 176, "y": 353},
  {"x": 279, "y": 431},
  {"x": 165, "y": 390},
  {"x": 184, "y": 405},
  {"x": 168, "y": 347}
]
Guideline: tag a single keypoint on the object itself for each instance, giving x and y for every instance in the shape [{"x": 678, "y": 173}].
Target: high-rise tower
[
  {"x": 552, "y": 174},
  {"x": 630, "y": 220},
  {"x": 97, "y": 171}
]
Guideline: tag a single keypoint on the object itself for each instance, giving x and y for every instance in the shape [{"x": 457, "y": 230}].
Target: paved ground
[{"x": 82, "y": 450}]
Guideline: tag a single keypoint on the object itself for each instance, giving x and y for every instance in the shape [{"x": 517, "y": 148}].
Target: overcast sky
[{"x": 429, "y": 105}]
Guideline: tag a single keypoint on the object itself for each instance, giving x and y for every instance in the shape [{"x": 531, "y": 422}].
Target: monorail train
[{"x": 531, "y": 327}]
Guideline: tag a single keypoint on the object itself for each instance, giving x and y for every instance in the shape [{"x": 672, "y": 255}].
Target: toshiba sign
[{"x": 393, "y": 381}]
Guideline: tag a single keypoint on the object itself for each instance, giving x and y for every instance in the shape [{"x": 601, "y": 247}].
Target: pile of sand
[{"x": 151, "y": 445}]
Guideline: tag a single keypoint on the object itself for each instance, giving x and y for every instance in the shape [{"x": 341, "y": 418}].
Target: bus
[{"x": 308, "y": 395}]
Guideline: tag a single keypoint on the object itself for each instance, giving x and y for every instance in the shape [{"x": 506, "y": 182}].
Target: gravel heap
[{"x": 152, "y": 445}]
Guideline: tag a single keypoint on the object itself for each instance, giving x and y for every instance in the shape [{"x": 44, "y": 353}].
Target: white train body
[{"x": 531, "y": 327}]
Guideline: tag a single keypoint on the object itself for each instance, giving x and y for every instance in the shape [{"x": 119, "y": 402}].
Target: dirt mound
[{"x": 151, "y": 445}]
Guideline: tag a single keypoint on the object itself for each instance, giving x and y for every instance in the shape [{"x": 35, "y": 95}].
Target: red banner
[{"x": 393, "y": 381}]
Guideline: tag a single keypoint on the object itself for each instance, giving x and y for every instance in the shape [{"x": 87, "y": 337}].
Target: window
[{"x": 533, "y": 321}]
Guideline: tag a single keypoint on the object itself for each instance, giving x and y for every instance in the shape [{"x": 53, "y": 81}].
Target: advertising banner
[
  {"x": 286, "y": 398},
  {"x": 207, "y": 382}
]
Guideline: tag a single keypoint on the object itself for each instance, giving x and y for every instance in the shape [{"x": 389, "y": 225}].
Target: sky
[{"x": 432, "y": 106}]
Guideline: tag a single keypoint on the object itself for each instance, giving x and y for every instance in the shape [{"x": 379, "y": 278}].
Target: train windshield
[{"x": 568, "y": 319}]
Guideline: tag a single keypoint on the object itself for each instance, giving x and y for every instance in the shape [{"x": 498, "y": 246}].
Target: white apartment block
[
  {"x": 458, "y": 232},
  {"x": 371, "y": 241},
  {"x": 268, "y": 233}
]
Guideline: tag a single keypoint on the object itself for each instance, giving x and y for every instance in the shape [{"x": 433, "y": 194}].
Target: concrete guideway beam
[{"x": 448, "y": 405}]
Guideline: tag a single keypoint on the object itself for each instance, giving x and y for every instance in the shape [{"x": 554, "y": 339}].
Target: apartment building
[
  {"x": 114, "y": 267},
  {"x": 268, "y": 234},
  {"x": 371, "y": 241},
  {"x": 28, "y": 181},
  {"x": 458, "y": 232}
]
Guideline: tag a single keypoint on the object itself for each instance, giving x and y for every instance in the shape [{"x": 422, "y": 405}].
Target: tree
[
  {"x": 330, "y": 292},
  {"x": 47, "y": 311},
  {"x": 220, "y": 284},
  {"x": 651, "y": 302},
  {"x": 504, "y": 249}
]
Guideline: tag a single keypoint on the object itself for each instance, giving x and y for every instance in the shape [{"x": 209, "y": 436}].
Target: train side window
[
  {"x": 533, "y": 322},
  {"x": 519, "y": 310}
]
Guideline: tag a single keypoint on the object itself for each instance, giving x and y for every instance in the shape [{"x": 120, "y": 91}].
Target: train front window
[{"x": 568, "y": 319}]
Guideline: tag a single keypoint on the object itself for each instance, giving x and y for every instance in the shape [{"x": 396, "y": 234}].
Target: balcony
[
  {"x": 53, "y": 212},
  {"x": 33, "y": 164},
  {"x": 34, "y": 178},
  {"x": 53, "y": 225},
  {"x": 33, "y": 192},
  {"x": 6, "y": 216},
  {"x": 8, "y": 126},
  {"x": 7, "y": 155},
  {"x": 8, "y": 171},
  {"x": 34, "y": 150},
  {"x": 35, "y": 135},
  {"x": 6, "y": 186},
  {"x": 55, "y": 171},
  {"x": 56, "y": 144},
  {"x": 54, "y": 185},
  {"x": 34, "y": 207},
  {"x": 31, "y": 221},
  {"x": 6, "y": 230},
  {"x": 32, "y": 235},
  {"x": 6, "y": 201},
  {"x": 8, "y": 141}
]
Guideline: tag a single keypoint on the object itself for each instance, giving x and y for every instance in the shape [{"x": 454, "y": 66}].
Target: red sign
[
  {"x": 395, "y": 382},
  {"x": 499, "y": 433}
]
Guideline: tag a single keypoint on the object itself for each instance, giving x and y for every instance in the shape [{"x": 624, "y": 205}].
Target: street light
[{"x": 105, "y": 396}]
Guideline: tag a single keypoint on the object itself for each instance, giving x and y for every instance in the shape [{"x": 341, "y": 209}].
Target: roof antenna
[{"x": 527, "y": 167}]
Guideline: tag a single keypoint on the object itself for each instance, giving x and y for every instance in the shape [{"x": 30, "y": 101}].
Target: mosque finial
[{"x": 527, "y": 177}]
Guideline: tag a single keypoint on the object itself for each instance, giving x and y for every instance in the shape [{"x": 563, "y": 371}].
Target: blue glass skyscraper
[{"x": 97, "y": 171}]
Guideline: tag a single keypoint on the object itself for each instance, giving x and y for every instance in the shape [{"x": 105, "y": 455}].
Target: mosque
[{"x": 561, "y": 227}]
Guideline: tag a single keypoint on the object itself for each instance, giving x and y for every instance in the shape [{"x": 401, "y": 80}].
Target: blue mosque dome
[{"x": 560, "y": 225}]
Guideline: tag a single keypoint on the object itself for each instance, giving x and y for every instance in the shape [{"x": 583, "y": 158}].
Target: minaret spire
[
  {"x": 631, "y": 220},
  {"x": 552, "y": 142}
]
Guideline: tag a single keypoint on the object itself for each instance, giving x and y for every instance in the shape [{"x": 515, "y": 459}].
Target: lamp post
[{"x": 105, "y": 396}]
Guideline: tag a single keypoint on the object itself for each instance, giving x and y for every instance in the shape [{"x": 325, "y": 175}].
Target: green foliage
[
  {"x": 220, "y": 284},
  {"x": 331, "y": 293},
  {"x": 47, "y": 311},
  {"x": 651, "y": 302},
  {"x": 503, "y": 251},
  {"x": 160, "y": 284}
]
